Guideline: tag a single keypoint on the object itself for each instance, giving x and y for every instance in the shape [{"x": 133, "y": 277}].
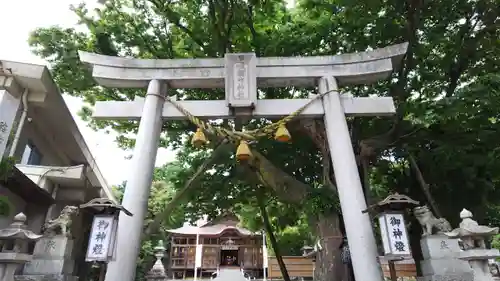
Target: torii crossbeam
[{"x": 241, "y": 75}]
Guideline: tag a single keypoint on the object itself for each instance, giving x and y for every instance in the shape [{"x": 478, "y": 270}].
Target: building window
[
  {"x": 31, "y": 155},
  {"x": 181, "y": 241},
  {"x": 210, "y": 241}
]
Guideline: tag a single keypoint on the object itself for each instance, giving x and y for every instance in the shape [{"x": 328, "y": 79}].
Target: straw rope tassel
[
  {"x": 237, "y": 136},
  {"x": 269, "y": 130}
]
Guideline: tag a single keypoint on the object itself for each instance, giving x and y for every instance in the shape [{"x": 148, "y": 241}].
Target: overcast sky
[{"x": 19, "y": 17}]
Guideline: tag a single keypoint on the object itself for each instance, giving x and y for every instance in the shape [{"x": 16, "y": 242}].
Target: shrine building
[{"x": 222, "y": 243}]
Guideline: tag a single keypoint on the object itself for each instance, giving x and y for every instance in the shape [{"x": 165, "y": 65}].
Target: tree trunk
[
  {"x": 423, "y": 185},
  {"x": 329, "y": 265},
  {"x": 414, "y": 233},
  {"x": 272, "y": 239}
]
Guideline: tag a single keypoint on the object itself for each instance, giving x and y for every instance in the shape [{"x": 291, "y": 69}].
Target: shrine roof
[
  {"x": 215, "y": 229},
  {"x": 226, "y": 222}
]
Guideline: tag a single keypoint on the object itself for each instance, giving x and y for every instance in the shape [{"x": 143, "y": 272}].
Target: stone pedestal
[
  {"x": 52, "y": 260},
  {"x": 478, "y": 260},
  {"x": 441, "y": 261}
]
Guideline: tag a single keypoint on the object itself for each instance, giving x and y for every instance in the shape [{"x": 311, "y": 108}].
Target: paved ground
[
  {"x": 208, "y": 279},
  {"x": 226, "y": 274},
  {"x": 230, "y": 274}
]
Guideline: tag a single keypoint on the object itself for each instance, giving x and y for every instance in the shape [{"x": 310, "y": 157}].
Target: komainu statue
[
  {"x": 62, "y": 224},
  {"x": 430, "y": 224}
]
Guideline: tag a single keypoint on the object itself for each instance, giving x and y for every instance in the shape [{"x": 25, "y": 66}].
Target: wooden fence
[
  {"x": 296, "y": 267},
  {"x": 405, "y": 268},
  {"x": 303, "y": 267}
]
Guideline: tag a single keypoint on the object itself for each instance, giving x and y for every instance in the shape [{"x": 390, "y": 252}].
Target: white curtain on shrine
[
  {"x": 198, "y": 250},
  {"x": 264, "y": 255}
]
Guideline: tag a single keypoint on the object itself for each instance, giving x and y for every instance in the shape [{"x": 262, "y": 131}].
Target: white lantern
[
  {"x": 102, "y": 239},
  {"x": 101, "y": 245},
  {"x": 394, "y": 234}
]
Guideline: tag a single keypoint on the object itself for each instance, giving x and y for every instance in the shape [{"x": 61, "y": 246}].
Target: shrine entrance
[
  {"x": 241, "y": 75},
  {"x": 229, "y": 257},
  {"x": 229, "y": 253}
]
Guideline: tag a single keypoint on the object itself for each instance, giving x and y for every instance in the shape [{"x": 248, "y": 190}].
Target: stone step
[{"x": 230, "y": 274}]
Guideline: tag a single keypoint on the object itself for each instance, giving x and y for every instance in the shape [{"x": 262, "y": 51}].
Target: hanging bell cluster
[
  {"x": 243, "y": 152},
  {"x": 282, "y": 134},
  {"x": 199, "y": 139}
]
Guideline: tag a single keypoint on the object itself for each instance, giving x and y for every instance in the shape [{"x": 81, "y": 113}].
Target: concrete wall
[
  {"x": 35, "y": 133},
  {"x": 54, "y": 151}
]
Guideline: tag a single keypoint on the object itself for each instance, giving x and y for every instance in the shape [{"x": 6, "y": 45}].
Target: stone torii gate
[{"x": 241, "y": 75}]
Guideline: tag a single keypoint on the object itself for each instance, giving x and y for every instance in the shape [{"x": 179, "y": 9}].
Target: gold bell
[
  {"x": 243, "y": 152},
  {"x": 282, "y": 134},
  {"x": 199, "y": 139}
]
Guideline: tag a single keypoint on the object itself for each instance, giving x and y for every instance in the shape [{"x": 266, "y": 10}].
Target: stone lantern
[
  {"x": 473, "y": 238},
  {"x": 14, "y": 244},
  {"x": 157, "y": 272}
]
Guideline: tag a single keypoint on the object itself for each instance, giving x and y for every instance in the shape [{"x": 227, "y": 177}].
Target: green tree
[
  {"x": 496, "y": 242},
  {"x": 290, "y": 227}
]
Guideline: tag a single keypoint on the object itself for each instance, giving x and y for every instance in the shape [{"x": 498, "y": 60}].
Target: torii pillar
[{"x": 241, "y": 75}]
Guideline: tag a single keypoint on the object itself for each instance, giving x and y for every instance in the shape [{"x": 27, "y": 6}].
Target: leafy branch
[{"x": 6, "y": 168}]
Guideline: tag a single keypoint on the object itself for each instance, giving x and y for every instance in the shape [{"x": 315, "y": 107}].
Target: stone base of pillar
[
  {"x": 45, "y": 277},
  {"x": 52, "y": 260},
  {"x": 441, "y": 261},
  {"x": 448, "y": 277}
]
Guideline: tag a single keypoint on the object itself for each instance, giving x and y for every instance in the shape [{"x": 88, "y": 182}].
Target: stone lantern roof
[
  {"x": 470, "y": 228},
  {"x": 18, "y": 230}
]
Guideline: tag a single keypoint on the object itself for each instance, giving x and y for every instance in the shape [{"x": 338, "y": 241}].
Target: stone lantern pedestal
[{"x": 478, "y": 260}]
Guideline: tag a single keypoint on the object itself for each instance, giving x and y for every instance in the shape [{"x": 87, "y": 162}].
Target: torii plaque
[{"x": 241, "y": 75}]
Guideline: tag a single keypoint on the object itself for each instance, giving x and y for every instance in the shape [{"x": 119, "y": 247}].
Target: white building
[{"x": 55, "y": 167}]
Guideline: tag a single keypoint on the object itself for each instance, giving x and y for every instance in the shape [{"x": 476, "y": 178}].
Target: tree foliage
[{"x": 496, "y": 242}]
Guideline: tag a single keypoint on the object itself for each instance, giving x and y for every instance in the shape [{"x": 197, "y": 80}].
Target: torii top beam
[
  {"x": 349, "y": 69},
  {"x": 241, "y": 75}
]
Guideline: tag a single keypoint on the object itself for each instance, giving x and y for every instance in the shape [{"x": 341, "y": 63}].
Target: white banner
[
  {"x": 197, "y": 260},
  {"x": 265, "y": 262},
  {"x": 101, "y": 238},
  {"x": 9, "y": 106},
  {"x": 394, "y": 236}
]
